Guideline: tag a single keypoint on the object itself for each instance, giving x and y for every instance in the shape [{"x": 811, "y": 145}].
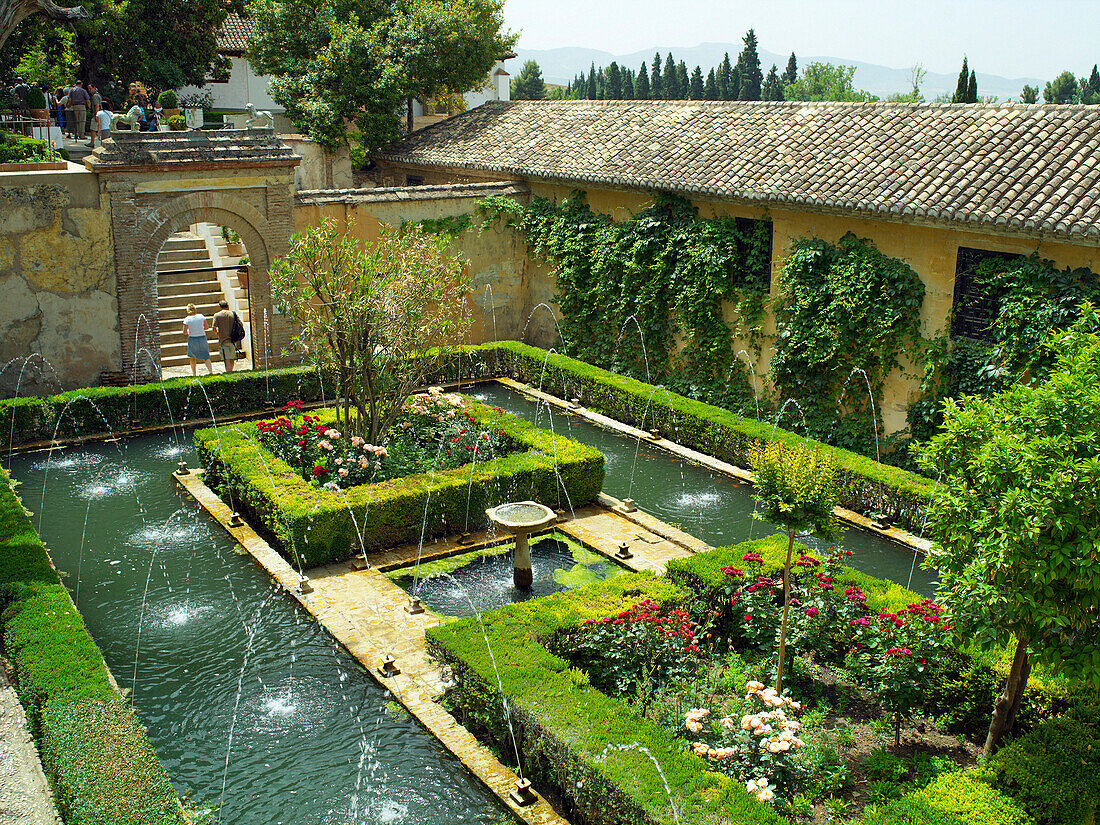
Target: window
[
  {"x": 974, "y": 307},
  {"x": 754, "y": 254},
  {"x": 414, "y": 180}
]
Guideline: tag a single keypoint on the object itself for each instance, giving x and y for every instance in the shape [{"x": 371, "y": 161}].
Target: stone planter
[
  {"x": 234, "y": 249},
  {"x": 45, "y": 166},
  {"x": 170, "y": 112},
  {"x": 242, "y": 277}
]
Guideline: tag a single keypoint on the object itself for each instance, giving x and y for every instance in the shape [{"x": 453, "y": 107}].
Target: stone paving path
[{"x": 25, "y": 797}]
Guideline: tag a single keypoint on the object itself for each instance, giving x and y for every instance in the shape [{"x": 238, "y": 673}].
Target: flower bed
[{"x": 317, "y": 521}]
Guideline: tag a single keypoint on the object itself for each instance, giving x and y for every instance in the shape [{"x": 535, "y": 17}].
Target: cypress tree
[
  {"x": 724, "y": 71},
  {"x": 962, "y": 89},
  {"x": 773, "y": 87},
  {"x": 710, "y": 90},
  {"x": 791, "y": 73},
  {"x": 1092, "y": 88},
  {"x": 641, "y": 83},
  {"x": 698, "y": 92},
  {"x": 972, "y": 88},
  {"x": 628, "y": 84},
  {"x": 752, "y": 79},
  {"x": 683, "y": 82},
  {"x": 670, "y": 79},
  {"x": 590, "y": 90},
  {"x": 734, "y": 87},
  {"x": 529, "y": 84},
  {"x": 656, "y": 86},
  {"x": 601, "y": 85},
  {"x": 614, "y": 82}
]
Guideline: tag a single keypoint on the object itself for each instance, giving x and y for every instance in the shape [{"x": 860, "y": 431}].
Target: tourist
[
  {"x": 97, "y": 100},
  {"x": 223, "y": 326},
  {"x": 197, "y": 348},
  {"x": 59, "y": 101},
  {"x": 101, "y": 125},
  {"x": 79, "y": 100}
]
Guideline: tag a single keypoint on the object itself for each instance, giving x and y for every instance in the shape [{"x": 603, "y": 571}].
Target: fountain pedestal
[{"x": 521, "y": 518}]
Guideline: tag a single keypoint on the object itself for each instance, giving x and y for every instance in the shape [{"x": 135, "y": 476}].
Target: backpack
[{"x": 236, "y": 335}]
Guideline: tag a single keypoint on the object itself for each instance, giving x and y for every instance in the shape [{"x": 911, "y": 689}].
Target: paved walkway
[{"x": 24, "y": 795}]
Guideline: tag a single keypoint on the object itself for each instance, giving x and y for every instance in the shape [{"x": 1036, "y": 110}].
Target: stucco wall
[
  {"x": 57, "y": 280},
  {"x": 320, "y": 168}
]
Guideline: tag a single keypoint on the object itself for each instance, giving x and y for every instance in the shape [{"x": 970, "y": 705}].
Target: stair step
[
  {"x": 188, "y": 288},
  {"x": 180, "y": 255},
  {"x": 179, "y": 242},
  {"x": 186, "y": 263}
]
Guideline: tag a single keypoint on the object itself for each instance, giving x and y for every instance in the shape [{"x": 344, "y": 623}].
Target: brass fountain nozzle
[
  {"x": 388, "y": 667},
  {"x": 624, "y": 552},
  {"x": 628, "y": 505},
  {"x": 523, "y": 794},
  {"x": 304, "y": 585},
  {"x": 181, "y": 469},
  {"x": 235, "y": 520},
  {"x": 414, "y": 606}
]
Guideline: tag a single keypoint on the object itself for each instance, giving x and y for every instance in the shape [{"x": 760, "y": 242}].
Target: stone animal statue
[
  {"x": 13, "y": 11},
  {"x": 259, "y": 119},
  {"x": 132, "y": 117}
]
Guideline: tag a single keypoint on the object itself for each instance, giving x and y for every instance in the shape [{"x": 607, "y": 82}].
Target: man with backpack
[{"x": 230, "y": 333}]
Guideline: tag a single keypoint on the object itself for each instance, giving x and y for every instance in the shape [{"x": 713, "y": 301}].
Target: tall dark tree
[
  {"x": 752, "y": 79},
  {"x": 670, "y": 79},
  {"x": 962, "y": 88},
  {"x": 656, "y": 82},
  {"x": 972, "y": 88},
  {"x": 697, "y": 91},
  {"x": 724, "y": 72},
  {"x": 1094, "y": 81},
  {"x": 529, "y": 84},
  {"x": 601, "y": 84},
  {"x": 1090, "y": 90},
  {"x": 710, "y": 90},
  {"x": 628, "y": 84},
  {"x": 1029, "y": 94},
  {"x": 641, "y": 83},
  {"x": 790, "y": 74},
  {"x": 614, "y": 82},
  {"x": 1062, "y": 89},
  {"x": 591, "y": 90},
  {"x": 773, "y": 86},
  {"x": 683, "y": 81},
  {"x": 734, "y": 87}
]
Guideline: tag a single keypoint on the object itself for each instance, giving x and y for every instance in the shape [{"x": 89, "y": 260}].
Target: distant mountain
[{"x": 562, "y": 65}]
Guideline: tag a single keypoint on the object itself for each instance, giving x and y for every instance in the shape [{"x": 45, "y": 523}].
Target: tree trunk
[
  {"x": 1004, "y": 709},
  {"x": 409, "y": 115},
  {"x": 786, "y": 610}
]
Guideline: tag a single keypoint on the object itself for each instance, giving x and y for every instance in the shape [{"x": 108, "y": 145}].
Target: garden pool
[{"x": 223, "y": 651}]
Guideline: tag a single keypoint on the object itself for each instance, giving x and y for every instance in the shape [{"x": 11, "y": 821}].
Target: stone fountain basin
[{"x": 521, "y": 516}]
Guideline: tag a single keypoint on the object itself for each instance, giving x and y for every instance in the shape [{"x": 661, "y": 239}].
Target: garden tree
[
  {"x": 614, "y": 82},
  {"x": 683, "y": 81},
  {"x": 914, "y": 95},
  {"x": 628, "y": 84},
  {"x": 1090, "y": 89},
  {"x": 725, "y": 80},
  {"x": 710, "y": 89},
  {"x": 697, "y": 90},
  {"x": 46, "y": 55},
  {"x": 591, "y": 91},
  {"x": 670, "y": 79},
  {"x": 790, "y": 74},
  {"x": 826, "y": 81},
  {"x": 1016, "y": 518},
  {"x": 656, "y": 86},
  {"x": 773, "y": 87},
  {"x": 752, "y": 79},
  {"x": 962, "y": 88},
  {"x": 641, "y": 83},
  {"x": 972, "y": 88},
  {"x": 1062, "y": 89},
  {"x": 1030, "y": 94},
  {"x": 795, "y": 488},
  {"x": 362, "y": 59},
  {"x": 372, "y": 316},
  {"x": 529, "y": 84}
]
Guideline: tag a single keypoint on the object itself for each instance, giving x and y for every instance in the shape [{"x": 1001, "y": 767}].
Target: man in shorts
[
  {"x": 223, "y": 326},
  {"x": 101, "y": 125}
]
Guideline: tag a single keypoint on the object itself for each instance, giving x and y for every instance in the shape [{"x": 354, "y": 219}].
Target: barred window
[{"x": 975, "y": 305}]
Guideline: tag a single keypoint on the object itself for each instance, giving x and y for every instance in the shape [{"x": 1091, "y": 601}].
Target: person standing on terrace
[{"x": 197, "y": 348}]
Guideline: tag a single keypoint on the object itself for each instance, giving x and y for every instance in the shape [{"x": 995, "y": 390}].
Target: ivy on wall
[{"x": 666, "y": 268}]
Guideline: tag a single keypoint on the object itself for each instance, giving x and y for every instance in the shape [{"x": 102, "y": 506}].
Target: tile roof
[
  {"x": 232, "y": 37},
  {"x": 126, "y": 151},
  {"x": 1010, "y": 166}
]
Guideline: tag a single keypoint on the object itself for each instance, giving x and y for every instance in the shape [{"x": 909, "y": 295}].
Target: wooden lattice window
[{"x": 975, "y": 305}]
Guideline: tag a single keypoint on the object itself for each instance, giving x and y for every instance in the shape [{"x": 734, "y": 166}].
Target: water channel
[{"x": 312, "y": 739}]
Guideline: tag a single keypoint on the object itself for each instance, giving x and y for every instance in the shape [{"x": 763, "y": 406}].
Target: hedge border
[
  {"x": 314, "y": 526},
  {"x": 60, "y": 671}
]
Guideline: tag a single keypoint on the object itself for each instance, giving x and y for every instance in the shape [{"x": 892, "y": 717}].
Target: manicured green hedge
[
  {"x": 866, "y": 485},
  {"x": 314, "y": 526},
  {"x": 952, "y": 799},
  {"x": 59, "y": 669},
  {"x": 1053, "y": 770},
  {"x": 565, "y": 727},
  {"x": 143, "y": 405}
]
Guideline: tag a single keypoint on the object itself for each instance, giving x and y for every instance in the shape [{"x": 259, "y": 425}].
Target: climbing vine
[
  {"x": 843, "y": 308},
  {"x": 666, "y": 269},
  {"x": 454, "y": 226}
]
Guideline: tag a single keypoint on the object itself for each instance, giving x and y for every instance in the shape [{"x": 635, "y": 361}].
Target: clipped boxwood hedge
[
  {"x": 564, "y": 727},
  {"x": 952, "y": 799},
  {"x": 314, "y": 526},
  {"x": 59, "y": 670},
  {"x": 143, "y": 405}
]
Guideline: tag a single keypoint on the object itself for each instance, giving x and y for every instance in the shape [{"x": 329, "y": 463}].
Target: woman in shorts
[{"x": 197, "y": 348}]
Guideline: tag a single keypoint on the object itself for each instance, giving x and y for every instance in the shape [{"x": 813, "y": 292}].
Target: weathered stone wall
[
  {"x": 57, "y": 281},
  {"x": 320, "y": 168}
]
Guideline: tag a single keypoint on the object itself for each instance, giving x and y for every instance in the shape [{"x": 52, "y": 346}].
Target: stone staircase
[{"x": 185, "y": 250}]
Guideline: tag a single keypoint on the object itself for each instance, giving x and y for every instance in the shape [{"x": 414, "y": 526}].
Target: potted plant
[
  {"x": 169, "y": 102},
  {"x": 242, "y": 272},
  {"x": 232, "y": 241},
  {"x": 36, "y": 103},
  {"x": 177, "y": 123}
]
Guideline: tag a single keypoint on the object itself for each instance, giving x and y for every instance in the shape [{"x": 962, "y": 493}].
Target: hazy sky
[{"x": 1012, "y": 38}]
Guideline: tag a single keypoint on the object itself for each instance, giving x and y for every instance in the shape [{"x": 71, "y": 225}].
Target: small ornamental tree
[
  {"x": 1016, "y": 518},
  {"x": 372, "y": 316},
  {"x": 796, "y": 489}
]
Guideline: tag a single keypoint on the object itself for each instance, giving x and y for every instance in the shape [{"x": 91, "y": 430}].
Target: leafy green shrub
[
  {"x": 21, "y": 149},
  {"x": 104, "y": 767},
  {"x": 1054, "y": 771},
  {"x": 177, "y": 123},
  {"x": 884, "y": 766},
  {"x": 168, "y": 99},
  {"x": 959, "y": 798},
  {"x": 36, "y": 99}
]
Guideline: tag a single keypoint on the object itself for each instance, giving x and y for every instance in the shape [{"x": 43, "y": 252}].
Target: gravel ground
[{"x": 24, "y": 794}]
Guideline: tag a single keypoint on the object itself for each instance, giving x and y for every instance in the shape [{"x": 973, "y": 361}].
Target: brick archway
[{"x": 161, "y": 183}]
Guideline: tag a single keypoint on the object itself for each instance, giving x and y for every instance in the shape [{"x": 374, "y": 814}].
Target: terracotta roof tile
[
  {"x": 1008, "y": 164},
  {"x": 232, "y": 37}
]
